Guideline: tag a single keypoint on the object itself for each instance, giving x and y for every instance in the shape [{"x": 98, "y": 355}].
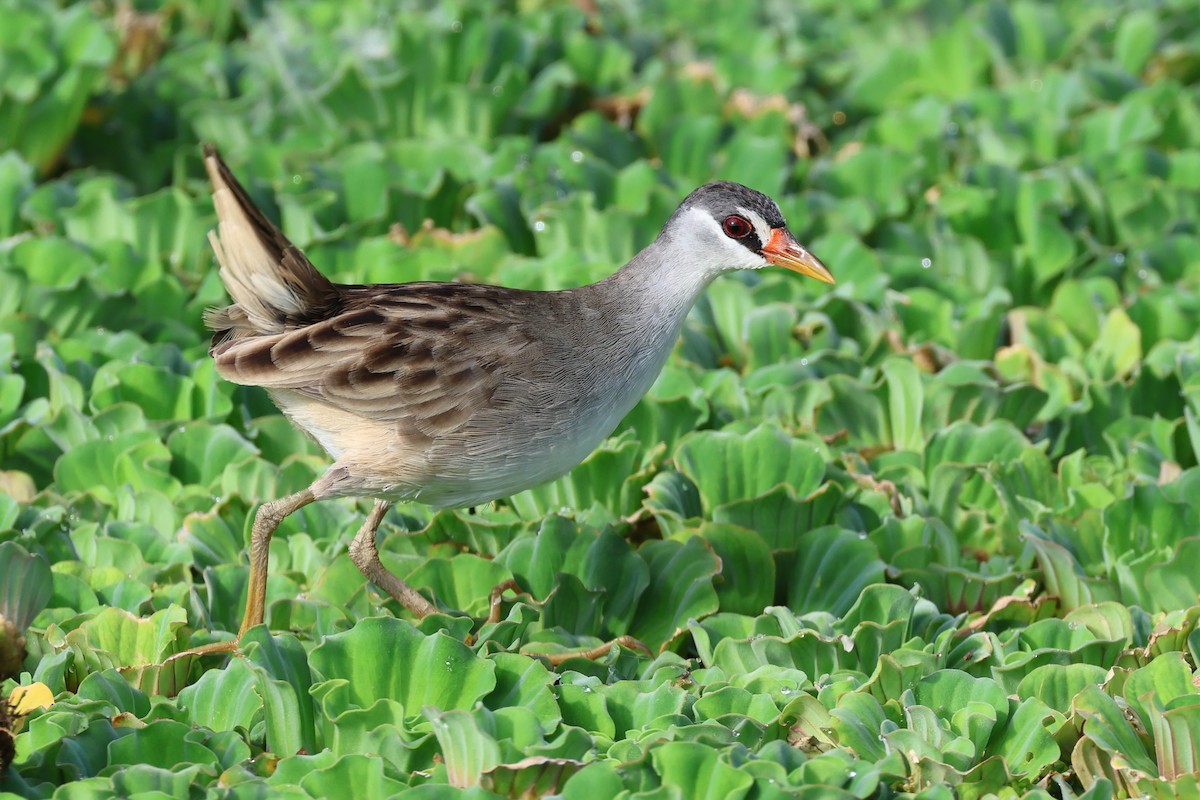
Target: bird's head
[{"x": 729, "y": 226}]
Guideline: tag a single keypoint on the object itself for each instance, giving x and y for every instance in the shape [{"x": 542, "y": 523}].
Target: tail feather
[{"x": 272, "y": 283}]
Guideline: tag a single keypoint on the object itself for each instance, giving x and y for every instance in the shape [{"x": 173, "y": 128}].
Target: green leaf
[
  {"x": 284, "y": 680},
  {"x": 355, "y": 775},
  {"x": 747, "y": 578},
  {"x": 681, "y": 588},
  {"x": 418, "y": 670},
  {"x": 698, "y": 771},
  {"x": 1137, "y": 35},
  {"x": 1158, "y": 685},
  {"x": 1107, "y": 727},
  {"x": 524, "y": 682},
  {"x": 831, "y": 569},
  {"x": 728, "y": 466},
  {"x": 467, "y": 749},
  {"x": 906, "y": 398},
  {"x": 223, "y": 699},
  {"x": 200, "y": 453},
  {"x": 26, "y": 588},
  {"x": 138, "y": 647},
  {"x": 1119, "y": 348},
  {"x": 163, "y": 743},
  {"x": 1057, "y": 685},
  {"x": 462, "y": 583}
]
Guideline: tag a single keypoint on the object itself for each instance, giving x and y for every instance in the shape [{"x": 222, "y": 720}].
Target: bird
[{"x": 457, "y": 394}]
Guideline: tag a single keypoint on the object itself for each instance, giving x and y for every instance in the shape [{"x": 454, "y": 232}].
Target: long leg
[
  {"x": 366, "y": 557},
  {"x": 266, "y": 520}
]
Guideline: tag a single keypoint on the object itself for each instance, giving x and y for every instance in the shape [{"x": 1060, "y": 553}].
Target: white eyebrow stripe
[{"x": 760, "y": 225}]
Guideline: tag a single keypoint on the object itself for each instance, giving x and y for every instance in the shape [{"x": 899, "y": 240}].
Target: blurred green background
[{"x": 931, "y": 532}]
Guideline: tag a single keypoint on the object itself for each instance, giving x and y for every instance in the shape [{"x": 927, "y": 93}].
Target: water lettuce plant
[{"x": 933, "y": 533}]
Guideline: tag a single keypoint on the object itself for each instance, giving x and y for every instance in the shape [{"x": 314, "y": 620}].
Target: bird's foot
[
  {"x": 592, "y": 653},
  {"x": 495, "y": 600},
  {"x": 215, "y": 648},
  {"x": 496, "y": 597}
]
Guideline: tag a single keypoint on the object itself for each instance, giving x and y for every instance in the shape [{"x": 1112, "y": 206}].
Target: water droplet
[
  {"x": 1143, "y": 274},
  {"x": 296, "y": 179},
  {"x": 456, "y": 26},
  {"x": 374, "y": 44},
  {"x": 587, "y": 689},
  {"x": 785, "y": 691},
  {"x": 804, "y": 362},
  {"x": 1036, "y": 84},
  {"x": 852, "y": 774},
  {"x": 576, "y": 156},
  {"x": 926, "y": 263},
  {"x": 952, "y": 129},
  {"x": 539, "y": 226},
  {"x": 497, "y": 90},
  {"x": 1118, "y": 258}
]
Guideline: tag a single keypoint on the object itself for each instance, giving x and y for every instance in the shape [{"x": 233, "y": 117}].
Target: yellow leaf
[{"x": 26, "y": 698}]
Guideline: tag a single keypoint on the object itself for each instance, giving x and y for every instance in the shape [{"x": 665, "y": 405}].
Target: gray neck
[{"x": 645, "y": 304}]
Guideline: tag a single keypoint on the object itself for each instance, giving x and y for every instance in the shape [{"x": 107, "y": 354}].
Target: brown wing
[{"x": 428, "y": 354}]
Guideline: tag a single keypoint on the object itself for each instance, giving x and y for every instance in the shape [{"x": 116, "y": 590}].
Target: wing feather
[{"x": 425, "y": 356}]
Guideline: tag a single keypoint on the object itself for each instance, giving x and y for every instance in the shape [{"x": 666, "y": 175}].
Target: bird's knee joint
[
  {"x": 362, "y": 550},
  {"x": 267, "y": 518}
]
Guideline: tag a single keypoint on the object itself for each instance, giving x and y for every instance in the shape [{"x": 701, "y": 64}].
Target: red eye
[{"x": 737, "y": 227}]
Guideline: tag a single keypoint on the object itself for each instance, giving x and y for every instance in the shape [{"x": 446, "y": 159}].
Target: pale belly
[
  {"x": 499, "y": 460},
  {"x": 499, "y": 453}
]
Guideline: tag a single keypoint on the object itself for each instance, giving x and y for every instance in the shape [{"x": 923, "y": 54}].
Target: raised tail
[{"x": 273, "y": 285}]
